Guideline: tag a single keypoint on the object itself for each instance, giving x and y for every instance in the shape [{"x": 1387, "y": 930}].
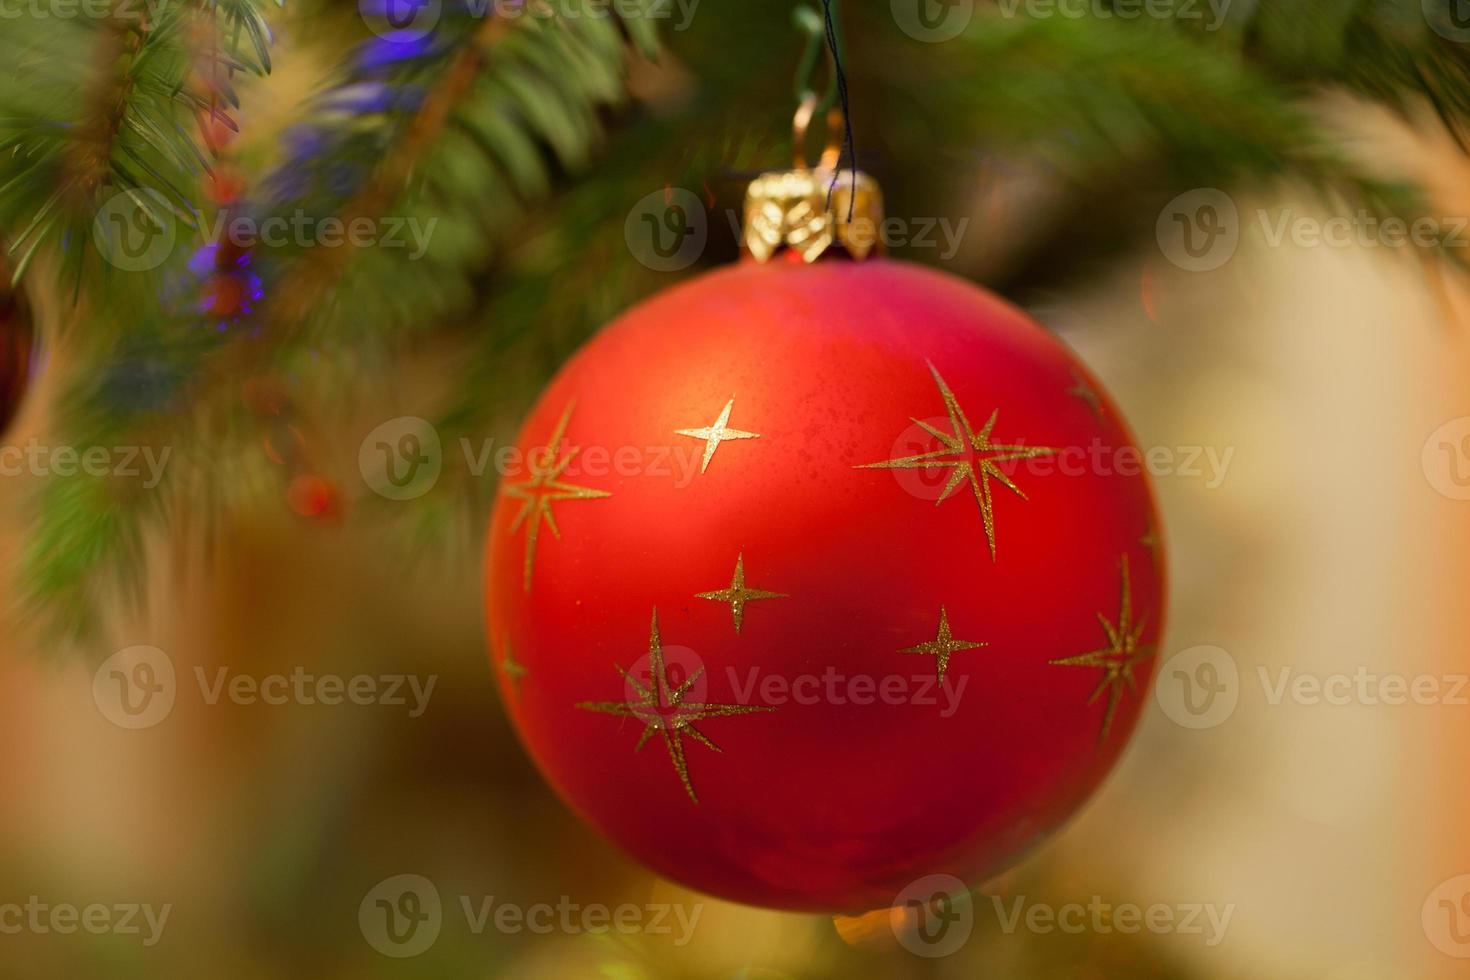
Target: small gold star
[
  {"x": 737, "y": 595},
  {"x": 1087, "y": 393},
  {"x": 943, "y": 645},
  {"x": 715, "y": 434},
  {"x": 545, "y": 488},
  {"x": 1119, "y": 657},
  {"x": 662, "y": 709},
  {"x": 1150, "y": 540},
  {"x": 971, "y": 456},
  {"x": 512, "y": 668}
]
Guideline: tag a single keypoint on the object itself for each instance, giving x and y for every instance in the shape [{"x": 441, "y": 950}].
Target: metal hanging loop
[
  {"x": 810, "y": 101},
  {"x": 801, "y": 124}
]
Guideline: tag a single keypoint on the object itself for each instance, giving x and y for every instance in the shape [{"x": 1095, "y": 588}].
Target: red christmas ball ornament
[
  {"x": 314, "y": 496},
  {"x": 17, "y": 347},
  {"x": 821, "y": 577},
  {"x": 226, "y": 184}
]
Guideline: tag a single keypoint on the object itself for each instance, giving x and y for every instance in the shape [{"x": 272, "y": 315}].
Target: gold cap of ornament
[{"x": 806, "y": 209}]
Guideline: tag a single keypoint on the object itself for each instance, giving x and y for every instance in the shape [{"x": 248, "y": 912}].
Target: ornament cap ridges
[{"x": 807, "y": 210}]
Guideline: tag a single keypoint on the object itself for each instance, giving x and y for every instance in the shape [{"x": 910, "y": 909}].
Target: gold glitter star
[
  {"x": 662, "y": 709},
  {"x": 715, "y": 434},
  {"x": 1150, "y": 540},
  {"x": 943, "y": 645},
  {"x": 1087, "y": 393},
  {"x": 1119, "y": 657},
  {"x": 512, "y": 668},
  {"x": 971, "y": 456},
  {"x": 545, "y": 488},
  {"x": 737, "y": 595}
]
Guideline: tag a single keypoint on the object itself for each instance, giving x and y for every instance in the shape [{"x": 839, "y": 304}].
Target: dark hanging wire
[
  {"x": 824, "y": 32},
  {"x": 849, "y": 146}
]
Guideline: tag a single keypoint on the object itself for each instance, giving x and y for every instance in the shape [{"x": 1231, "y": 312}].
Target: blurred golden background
[{"x": 1333, "y": 543}]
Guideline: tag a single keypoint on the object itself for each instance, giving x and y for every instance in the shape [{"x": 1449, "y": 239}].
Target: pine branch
[
  {"x": 1128, "y": 114},
  {"x": 1386, "y": 51},
  {"x": 440, "y": 130},
  {"x": 125, "y": 133},
  {"x": 89, "y": 109},
  {"x": 481, "y": 123},
  {"x": 302, "y": 289}
]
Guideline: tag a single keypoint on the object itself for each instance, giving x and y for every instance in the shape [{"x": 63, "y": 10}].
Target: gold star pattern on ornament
[
  {"x": 714, "y": 435},
  {"x": 1081, "y": 389},
  {"x": 1150, "y": 540},
  {"x": 1118, "y": 658},
  {"x": 544, "y": 489},
  {"x": 969, "y": 455},
  {"x": 943, "y": 646},
  {"x": 737, "y": 595},
  {"x": 513, "y": 669},
  {"x": 662, "y": 709}
]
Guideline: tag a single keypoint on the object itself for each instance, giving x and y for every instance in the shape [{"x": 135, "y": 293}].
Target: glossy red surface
[{"x": 864, "y": 773}]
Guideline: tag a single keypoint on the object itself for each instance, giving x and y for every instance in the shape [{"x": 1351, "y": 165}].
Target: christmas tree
[
  {"x": 303, "y": 267},
  {"x": 522, "y": 135}
]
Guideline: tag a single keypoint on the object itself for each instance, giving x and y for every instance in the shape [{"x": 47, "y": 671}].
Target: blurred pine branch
[{"x": 518, "y": 140}]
